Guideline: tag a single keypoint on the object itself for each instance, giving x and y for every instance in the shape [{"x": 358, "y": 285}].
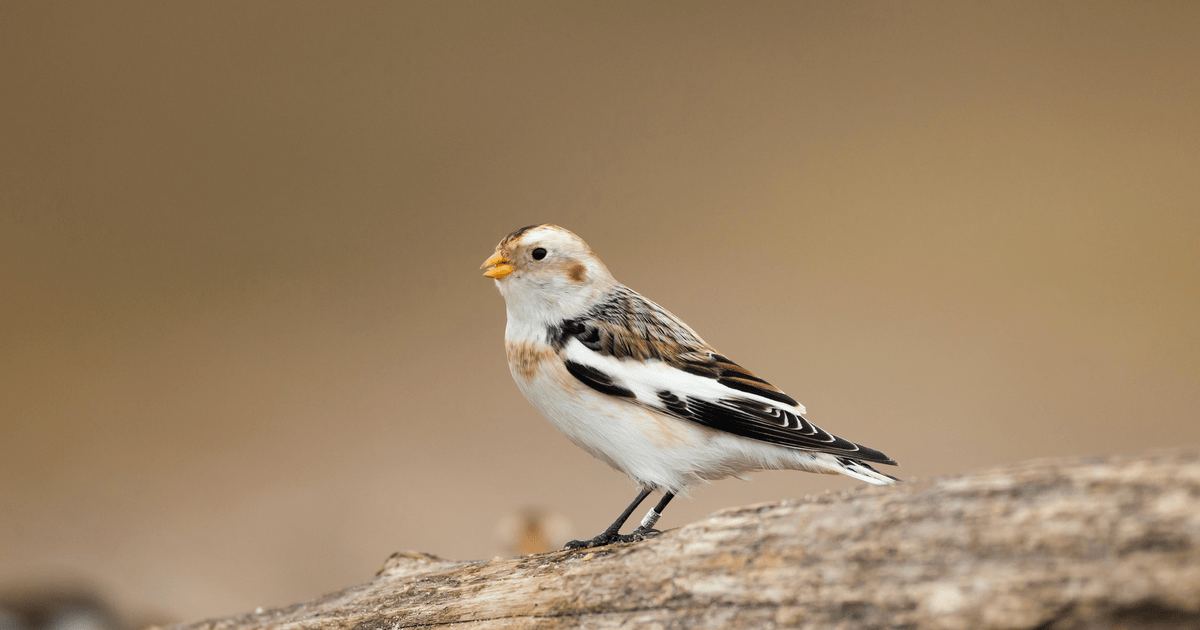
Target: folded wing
[{"x": 631, "y": 348}]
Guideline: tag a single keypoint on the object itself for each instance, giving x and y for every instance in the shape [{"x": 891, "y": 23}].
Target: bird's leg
[
  {"x": 646, "y": 529},
  {"x": 613, "y": 533}
]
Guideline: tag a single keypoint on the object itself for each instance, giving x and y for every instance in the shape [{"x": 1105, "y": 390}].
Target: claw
[
  {"x": 643, "y": 533},
  {"x": 608, "y": 538}
]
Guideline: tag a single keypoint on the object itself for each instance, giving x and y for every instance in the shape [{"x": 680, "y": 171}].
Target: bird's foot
[
  {"x": 642, "y": 533},
  {"x": 606, "y": 538},
  {"x": 610, "y": 537}
]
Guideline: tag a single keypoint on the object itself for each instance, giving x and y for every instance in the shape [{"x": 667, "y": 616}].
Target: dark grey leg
[
  {"x": 646, "y": 529},
  {"x": 612, "y": 534}
]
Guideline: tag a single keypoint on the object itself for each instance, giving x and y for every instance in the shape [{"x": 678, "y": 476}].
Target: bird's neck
[{"x": 532, "y": 313}]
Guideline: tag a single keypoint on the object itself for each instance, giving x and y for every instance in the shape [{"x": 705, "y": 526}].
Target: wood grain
[{"x": 1104, "y": 542}]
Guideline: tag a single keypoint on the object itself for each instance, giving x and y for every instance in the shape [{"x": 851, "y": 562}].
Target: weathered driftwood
[{"x": 1105, "y": 542}]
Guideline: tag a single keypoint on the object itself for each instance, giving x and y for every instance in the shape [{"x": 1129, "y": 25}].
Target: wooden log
[{"x": 1103, "y": 542}]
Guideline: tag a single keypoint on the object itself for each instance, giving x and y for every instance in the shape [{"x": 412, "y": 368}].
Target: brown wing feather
[{"x": 628, "y": 325}]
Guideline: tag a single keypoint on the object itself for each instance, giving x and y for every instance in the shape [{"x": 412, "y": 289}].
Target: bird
[{"x": 633, "y": 385}]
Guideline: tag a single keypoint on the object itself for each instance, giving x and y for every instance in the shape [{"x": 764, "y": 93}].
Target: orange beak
[{"x": 497, "y": 266}]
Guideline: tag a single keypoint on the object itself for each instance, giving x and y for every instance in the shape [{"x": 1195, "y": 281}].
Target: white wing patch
[
  {"x": 657, "y": 385},
  {"x": 647, "y": 378}
]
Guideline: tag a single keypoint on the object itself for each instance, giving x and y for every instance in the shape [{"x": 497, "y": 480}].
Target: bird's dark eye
[{"x": 538, "y": 253}]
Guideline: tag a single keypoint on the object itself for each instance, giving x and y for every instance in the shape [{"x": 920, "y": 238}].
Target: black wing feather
[
  {"x": 628, "y": 326},
  {"x": 758, "y": 421}
]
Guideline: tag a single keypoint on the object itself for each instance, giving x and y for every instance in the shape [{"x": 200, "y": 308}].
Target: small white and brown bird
[{"x": 630, "y": 383}]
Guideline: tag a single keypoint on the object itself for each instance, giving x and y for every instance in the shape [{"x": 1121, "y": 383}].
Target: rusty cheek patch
[
  {"x": 526, "y": 358},
  {"x": 577, "y": 273}
]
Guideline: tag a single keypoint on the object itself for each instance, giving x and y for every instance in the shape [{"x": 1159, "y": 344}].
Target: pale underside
[{"x": 655, "y": 449}]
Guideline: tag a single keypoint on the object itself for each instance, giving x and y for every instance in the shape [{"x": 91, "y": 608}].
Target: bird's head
[{"x": 547, "y": 272}]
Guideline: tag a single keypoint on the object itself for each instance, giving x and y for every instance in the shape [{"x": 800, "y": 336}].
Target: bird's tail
[{"x": 863, "y": 472}]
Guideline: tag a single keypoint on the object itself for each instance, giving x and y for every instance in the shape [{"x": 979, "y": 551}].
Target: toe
[{"x": 643, "y": 533}]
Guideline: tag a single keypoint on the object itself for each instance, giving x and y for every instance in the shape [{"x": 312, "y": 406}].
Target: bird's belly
[{"x": 656, "y": 450}]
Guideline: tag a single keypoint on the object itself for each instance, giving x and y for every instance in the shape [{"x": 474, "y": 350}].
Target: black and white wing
[{"x": 629, "y": 347}]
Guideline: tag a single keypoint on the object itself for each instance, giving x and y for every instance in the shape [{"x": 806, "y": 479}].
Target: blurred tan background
[{"x": 246, "y": 351}]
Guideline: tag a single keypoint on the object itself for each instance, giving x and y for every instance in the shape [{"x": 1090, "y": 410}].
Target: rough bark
[{"x": 1104, "y": 542}]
